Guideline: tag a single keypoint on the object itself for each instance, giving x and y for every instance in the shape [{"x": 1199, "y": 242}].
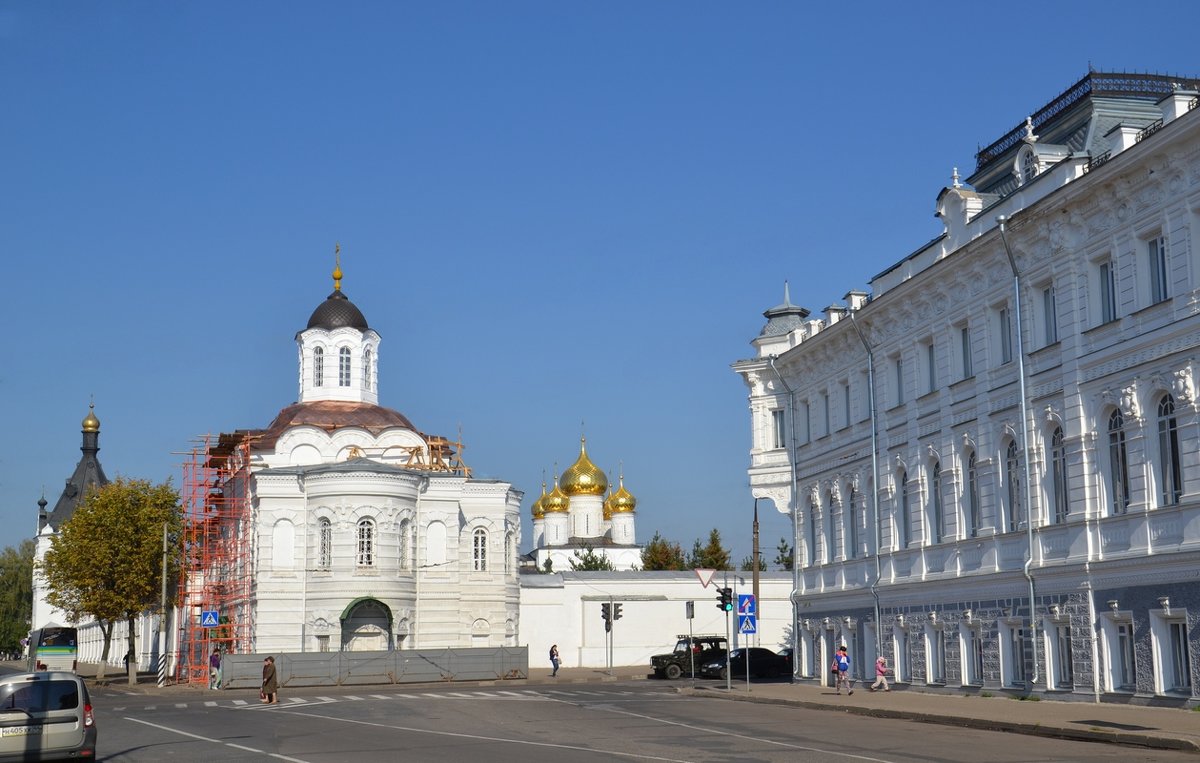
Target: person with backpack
[{"x": 841, "y": 661}]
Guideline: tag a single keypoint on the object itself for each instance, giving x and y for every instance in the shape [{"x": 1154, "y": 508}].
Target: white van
[{"x": 46, "y": 716}]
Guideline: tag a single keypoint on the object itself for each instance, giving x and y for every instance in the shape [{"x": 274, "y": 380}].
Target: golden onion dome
[
  {"x": 90, "y": 422},
  {"x": 583, "y": 477},
  {"x": 538, "y": 511},
  {"x": 623, "y": 501},
  {"x": 556, "y": 501},
  {"x": 608, "y": 505}
]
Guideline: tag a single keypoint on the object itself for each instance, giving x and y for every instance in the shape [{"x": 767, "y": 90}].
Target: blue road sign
[
  {"x": 746, "y": 604},
  {"x": 747, "y": 624},
  {"x": 209, "y": 619}
]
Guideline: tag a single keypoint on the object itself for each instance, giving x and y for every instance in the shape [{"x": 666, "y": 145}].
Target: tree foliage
[
  {"x": 784, "y": 556},
  {"x": 16, "y": 594},
  {"x": 661, "y": 554},
  {"x": 748, "y": 564},
  {"x": 711, "y": 556},
  {"x": 106, "y": 561},
  {"x": 587, "y": 560}
]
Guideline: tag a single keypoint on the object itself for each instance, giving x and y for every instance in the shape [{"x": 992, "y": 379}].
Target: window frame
[
  {"x": 1119, "y": 496},
  {"x": 324, "y": 544},
  {"x": 1170, "y": 475},
  {"x": 1058, "y": 474},
  {"x": 364, "y": 549},
  {"x": 344, "y": 361},
  {"x": 318, "y": 377},
  {"x": 479, "y": 550},
  {"x": 1158, "y": 273}
]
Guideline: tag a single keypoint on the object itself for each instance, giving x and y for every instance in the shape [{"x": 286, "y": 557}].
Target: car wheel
[
  {"x": 674, "y": 671},
  {"x": 724, "y": 673}
]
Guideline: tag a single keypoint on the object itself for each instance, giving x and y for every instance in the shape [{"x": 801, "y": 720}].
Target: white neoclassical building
[
  {"x": 341, "y": 525},
  {"x": 991, "y": 457}
]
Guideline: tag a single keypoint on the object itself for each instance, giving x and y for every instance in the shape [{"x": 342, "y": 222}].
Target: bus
[{"x": 54, "y": 647}]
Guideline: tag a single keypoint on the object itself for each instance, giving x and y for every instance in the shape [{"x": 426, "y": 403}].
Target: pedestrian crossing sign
[
  {"x": 747, "y": 624},
  {"x": 209, "y": 619}
]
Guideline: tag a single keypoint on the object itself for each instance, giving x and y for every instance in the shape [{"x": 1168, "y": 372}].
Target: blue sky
[{"x": 552, "y": 212}]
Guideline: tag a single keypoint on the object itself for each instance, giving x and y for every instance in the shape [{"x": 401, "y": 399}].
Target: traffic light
[
  {"x": 725, "y": 599},
  {"x": 616, "y": 612},
  {"x": 606, "y": 611}
]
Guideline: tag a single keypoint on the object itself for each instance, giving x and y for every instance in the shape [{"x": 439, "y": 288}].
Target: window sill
[{"x": 1100, "y": 327}]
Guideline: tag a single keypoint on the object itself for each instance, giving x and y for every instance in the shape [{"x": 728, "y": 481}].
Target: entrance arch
[{"x": 366, "y": 626}]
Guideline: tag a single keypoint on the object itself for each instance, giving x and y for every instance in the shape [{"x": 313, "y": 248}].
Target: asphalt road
[{"x": 519, "y": 723}]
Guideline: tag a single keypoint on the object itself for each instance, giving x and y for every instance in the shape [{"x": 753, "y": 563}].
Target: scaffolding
[{"x": 218, "y": 568}]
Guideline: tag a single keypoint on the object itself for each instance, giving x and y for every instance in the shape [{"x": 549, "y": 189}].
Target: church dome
[
  {"x": 90, "y": 422},
  {"x": 622, "y": 501},
  {"x": 337, "y": 311},
  {"x": 538, "y": 509},
  {"x": 556, "y": 502},
  {"x": 608, "y": 506},
  {"x": 583, "y": 477}
]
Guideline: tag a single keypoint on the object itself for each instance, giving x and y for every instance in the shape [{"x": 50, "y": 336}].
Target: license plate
[{"x": 13, "y": 731}]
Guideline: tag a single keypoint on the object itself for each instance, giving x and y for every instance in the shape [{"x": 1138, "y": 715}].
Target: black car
[
  {"x": 688, "y": 651},
  {"x": 763, "y": 664}
]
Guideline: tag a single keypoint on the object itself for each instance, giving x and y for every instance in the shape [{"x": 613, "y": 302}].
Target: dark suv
[{"x": 689, "y": 654}]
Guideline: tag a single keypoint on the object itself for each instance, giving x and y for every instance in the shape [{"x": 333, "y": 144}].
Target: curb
[{"x": 1030, "y": 729}]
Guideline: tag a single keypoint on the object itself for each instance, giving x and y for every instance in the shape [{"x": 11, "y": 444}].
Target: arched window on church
[
  {"x": 366, "y": 372},
  {"x": 405, "y": 545},
  {"x": 366, "y": 543},
  {"x": 509, "y": 551},
  {"x": 479, "y": 550},
  {"x": 324, "y": 544},
  {"x": 1118, "y": 465},
  {"x": 1169, "y": 475},
  {"x": 318, "y": 365},
  {"x": 344, "y": 367},
  {"x": 435, "y": 544}
]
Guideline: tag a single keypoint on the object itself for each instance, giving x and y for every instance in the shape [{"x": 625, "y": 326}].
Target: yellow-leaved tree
[{"x": 106, "y": 561}]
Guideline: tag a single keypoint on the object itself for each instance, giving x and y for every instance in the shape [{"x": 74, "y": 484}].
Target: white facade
[
  {"x": 1104, "y": 238},
  {"x": 564, "y": 609}
]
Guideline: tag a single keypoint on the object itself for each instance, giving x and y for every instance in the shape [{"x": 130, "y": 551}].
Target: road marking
[
  {"x": 352, "y": 698},
  {"x": 210, "y": 704},
  {"x": 240, "y": 702},
  {"x": 181, "y": 705},
  {"x": 380, "y": 696},
  {"x": 215, "y": 741},
  {"x": 481, "y": 738},
  {"x": 326, "y": 699}
]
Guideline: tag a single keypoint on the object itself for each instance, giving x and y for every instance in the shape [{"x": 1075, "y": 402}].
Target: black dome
[{"x": 337, "y": 312}]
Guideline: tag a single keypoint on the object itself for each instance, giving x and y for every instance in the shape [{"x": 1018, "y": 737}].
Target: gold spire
[
  {"x": 337, "y": 266},
  {"x": 90, "y": 422},
  {"x": 583, "y": 477},
  {"x": 556, "y": 502},
  {"x": 537, "y": 509},
  {"x": 622, "y": 501}
]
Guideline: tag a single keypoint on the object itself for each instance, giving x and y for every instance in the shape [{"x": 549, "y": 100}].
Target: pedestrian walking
[
  {"x": 880, "y": 675},
  {"x": 270, "y": 685},
  {"x": 842, "y": 660},
  {"x": 554, "y": 660},
  {"x": 214, "y": 669}
]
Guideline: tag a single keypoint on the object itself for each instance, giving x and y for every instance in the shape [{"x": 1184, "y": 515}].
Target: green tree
[
  {"x": 712, "y": 556},
  {"x": 784, "y": 557},
  {"x": 748, "y": 564},
  {"x": 16, "y": 594},
  {"x": 587, "y": 560},
  {"x": 106, "y": 561},
  {"x": 661, "y": 554}
]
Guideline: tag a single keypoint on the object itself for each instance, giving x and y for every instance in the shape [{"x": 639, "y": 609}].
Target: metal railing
[{"x": 1149, "y": 130}]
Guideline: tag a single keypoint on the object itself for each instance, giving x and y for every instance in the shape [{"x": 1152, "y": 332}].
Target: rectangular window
[
  {"x": 1126, "y": 664},
  {"x": 779, "y": 431},
  {"x": 322, "y": 643},
  {"x": 825, "y": 402},
  {"x": 930, "y": 366},
  {"x": 1064, "y": 668},
  {"x": 1108, "y": 291},
  {"x": 975, "y": 658},
  {"x": 846, "y": 403},
  {"x": 1049, "y": 316},
  {"x": 903, "y": 665},
  {"x": 804, "y": 427},
  {"x": 964, "y": 339},
  {"x": 1015, "y": 654},
  {"x": 1004, "y": 330},
  {"x": 936, "y": 646},
  {"x": 1180, "y": 678},
  {"x": 898, "y": 367},
  {"x": 1157, "y": 252}
]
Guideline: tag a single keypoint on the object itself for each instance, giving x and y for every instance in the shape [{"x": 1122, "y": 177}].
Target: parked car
[
  {"x": 45, "y": 716},
  {"x": 688, "y": 651},
  {"x": 763, "y": 664},
  {"x": 786, "y": 654}
]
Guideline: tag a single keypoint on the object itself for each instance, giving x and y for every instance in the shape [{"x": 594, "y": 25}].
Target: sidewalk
[{"x": 1130, "y": 725}]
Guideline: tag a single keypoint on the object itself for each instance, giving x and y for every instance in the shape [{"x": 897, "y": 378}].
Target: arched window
[
  {"x": 830, "y": 530},
  {"x": 366, "y": 372},
  {"x": 479, "y": 550},
  {"x": 852, "y": 507},
  {"x": 904, "y": 519},
  {"x": 318, "y": 365},
  {"x": 509, "y": 549},
  {"x": 1118, "y": 464},
  {"x": 366, "y": 543},
  {"x": 936, "y": 511},
  {"x": 1058, "y": 471},
  {"x": 405, "y": 545},
  {"x": 1029, "y": 167},
  {"x": 1170, "y": 484},
  {"x": 324, "y": 544},
  {"x": 974, "y": 513},
  {"x": 344, "y": 367},
  {"x": 1012, "y": 472}
]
